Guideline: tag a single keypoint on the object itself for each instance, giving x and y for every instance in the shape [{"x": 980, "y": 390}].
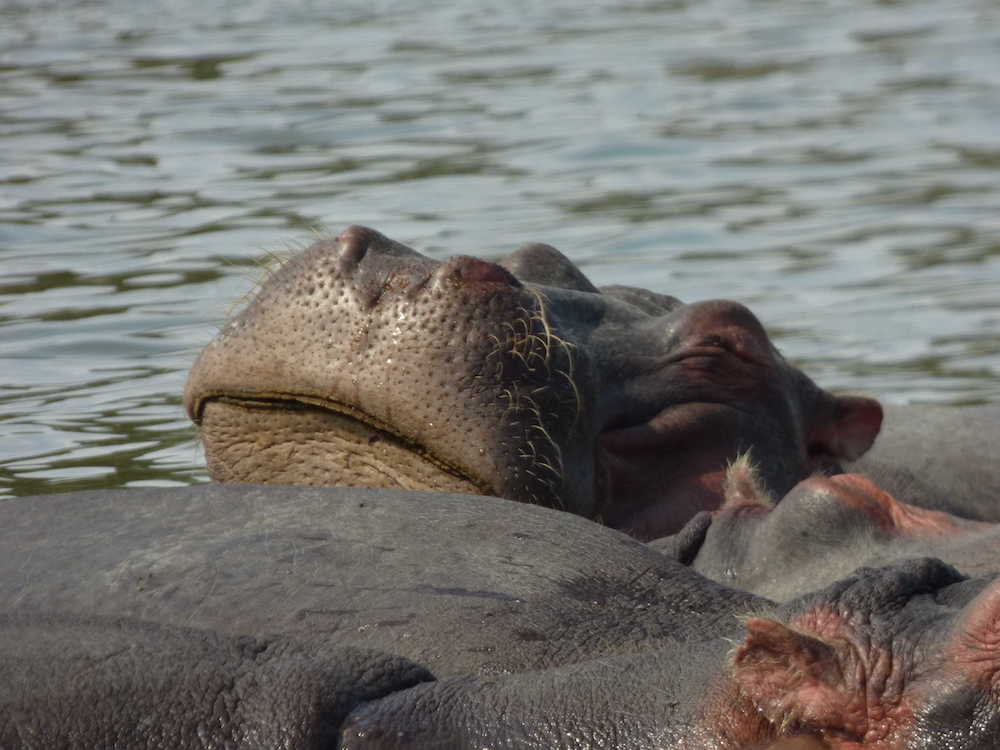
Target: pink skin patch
[
  {"x": 815, "y": 675},
  {"x": 858, "y": 492},
  {"x": 743, "y": 493},
  {"x": 974, "y": 652},
  {"x": 970, "y": 658}
]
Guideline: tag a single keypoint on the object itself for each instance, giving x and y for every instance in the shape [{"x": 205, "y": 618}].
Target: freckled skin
[{"x": 363, "y": 363}]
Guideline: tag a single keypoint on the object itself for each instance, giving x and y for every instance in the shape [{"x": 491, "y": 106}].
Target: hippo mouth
[
  {"x": 304, "y": 440},
  {"x": 301, "y": 439}
]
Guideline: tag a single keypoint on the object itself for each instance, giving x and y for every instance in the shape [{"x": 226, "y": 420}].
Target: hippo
[
  {"x": 417, "y": 610},
  {"x": 820, "y": 532},
  {"x": 361, "y": 362},
  {"x": 308, "y": 617}
]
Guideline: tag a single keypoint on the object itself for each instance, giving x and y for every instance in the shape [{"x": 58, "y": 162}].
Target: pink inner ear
[
  {"x": 793, "y": 678},
  {"x": 849, "y": 430}
]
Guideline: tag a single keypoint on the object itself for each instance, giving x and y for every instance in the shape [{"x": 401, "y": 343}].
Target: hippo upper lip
[{"x": 457, "y": 357}]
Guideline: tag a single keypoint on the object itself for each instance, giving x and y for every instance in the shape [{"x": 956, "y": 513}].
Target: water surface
[{"x": 834, "y": 165}]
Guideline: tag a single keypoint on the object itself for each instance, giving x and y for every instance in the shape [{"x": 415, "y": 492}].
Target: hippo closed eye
[{"x": 363, "y": 363}]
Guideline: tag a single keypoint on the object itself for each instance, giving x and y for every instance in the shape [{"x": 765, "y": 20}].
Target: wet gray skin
[
  {"x": 295, "y": 617},
  {"x": 938, "y": 457},
  {"x": 363, "y": 363}
]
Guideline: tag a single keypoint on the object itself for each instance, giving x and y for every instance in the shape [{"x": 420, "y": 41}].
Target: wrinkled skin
[
  {"x": 944, "y": 458},
  {"x": 228, "y": 615},
  {"x": 902, "y": 656},
  {"x": 820, "y": 532},
  {"x": 363, "y": 363}
]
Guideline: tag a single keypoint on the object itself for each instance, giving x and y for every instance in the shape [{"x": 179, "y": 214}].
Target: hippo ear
[
  {"x": 794, "y": 679},
  {"x": 844, "y": 427}
]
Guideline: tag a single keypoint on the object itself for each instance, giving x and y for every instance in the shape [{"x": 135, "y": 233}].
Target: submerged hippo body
[
  {"x": 939, "y": 457},
  {"x": 363, "y": 363},
  {"x": 322, "y": 617}
]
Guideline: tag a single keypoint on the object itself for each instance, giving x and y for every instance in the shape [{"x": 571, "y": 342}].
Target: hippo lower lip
[
  {"x": 291, "y": 436},
  {"x": 341, "y": 443}
]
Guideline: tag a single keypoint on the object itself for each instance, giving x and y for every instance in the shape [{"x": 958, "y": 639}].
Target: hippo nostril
[
  {"x": 543, "y": 264},
  {"x": 354, "y": 242},
  {"x": 465, "y": 268}
]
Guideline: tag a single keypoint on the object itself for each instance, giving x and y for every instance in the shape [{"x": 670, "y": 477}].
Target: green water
[{"x": 834, "y": 165}]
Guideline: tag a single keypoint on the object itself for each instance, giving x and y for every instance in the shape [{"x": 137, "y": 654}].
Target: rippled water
[{"x": 836, "y": 165}]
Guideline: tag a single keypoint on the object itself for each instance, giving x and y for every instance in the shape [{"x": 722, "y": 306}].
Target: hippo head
[
  {"x": 904, "y": 656},
  {"x": 363, "y": 363}
]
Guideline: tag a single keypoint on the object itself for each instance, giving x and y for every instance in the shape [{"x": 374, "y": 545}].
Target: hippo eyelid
[
  {"x": 714, "y": 340},
  {"x": 725, "y": 344}
]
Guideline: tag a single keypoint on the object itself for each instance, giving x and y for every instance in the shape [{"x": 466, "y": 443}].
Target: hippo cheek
[
  {"x": 709, "y": 388},
  {"x": 719, "y": 390},
  {"x": 661, "y": 473}
]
